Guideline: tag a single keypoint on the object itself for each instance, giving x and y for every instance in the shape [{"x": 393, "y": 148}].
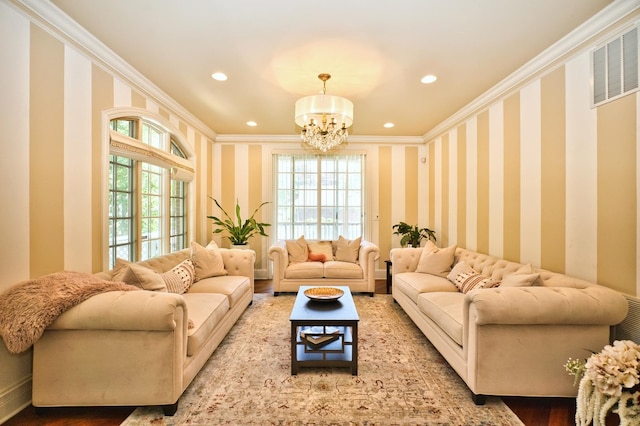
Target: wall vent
[
  {"x": 615, "y": 68},
  {"x": 629, "y": 329}
]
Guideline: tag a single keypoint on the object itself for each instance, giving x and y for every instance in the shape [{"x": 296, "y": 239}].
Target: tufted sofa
[
  {"x": 357, "y": 272},
  {"x": 141, "y": 347},
  {"x": 513, "y": 332}
]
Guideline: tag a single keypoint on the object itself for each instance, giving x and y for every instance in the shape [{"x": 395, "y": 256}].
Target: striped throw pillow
[{"x": 468, "y": 281}]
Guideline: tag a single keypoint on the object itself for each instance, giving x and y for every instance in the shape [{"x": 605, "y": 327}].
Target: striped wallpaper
[
  {"x": 540, "y": 177},
  {"x": 56, "y": 156},
  {"x": 537, "y": 177}
]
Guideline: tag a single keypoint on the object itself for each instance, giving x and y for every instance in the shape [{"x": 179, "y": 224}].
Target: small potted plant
[
  {"x": 240, "y": 232},
  {"x": 412, "y": 236}
]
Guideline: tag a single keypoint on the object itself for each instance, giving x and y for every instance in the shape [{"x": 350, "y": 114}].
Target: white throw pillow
[
  {"x": 347, "y": 250},
  {"x": 437, "y": 262},
  {"x": 298, "y": 250},
  {"x": 521, "y": 280},
  {"x": 459, "y": 268},
  {"x": 207, "y": 262}
]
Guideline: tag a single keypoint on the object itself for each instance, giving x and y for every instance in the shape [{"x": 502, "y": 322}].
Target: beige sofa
[
  {"x": 513, "y": 339},
  {"x": 141, "y": 347},
  {"x": 356, "y": 269}
]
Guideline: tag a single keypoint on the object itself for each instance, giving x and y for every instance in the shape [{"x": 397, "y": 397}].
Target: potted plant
[
  {"x": 240, "y": 232},
  {"x": 412, "y": 235}
]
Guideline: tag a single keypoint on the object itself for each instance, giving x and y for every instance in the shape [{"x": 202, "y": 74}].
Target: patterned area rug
[{"x": 402, "y": 379}]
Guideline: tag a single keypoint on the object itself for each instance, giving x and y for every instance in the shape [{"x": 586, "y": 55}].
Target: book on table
[{"x": 319, "y": 336}]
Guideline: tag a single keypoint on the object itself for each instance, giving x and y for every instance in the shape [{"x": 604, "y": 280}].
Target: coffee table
[{"x": 338, "y": 317}]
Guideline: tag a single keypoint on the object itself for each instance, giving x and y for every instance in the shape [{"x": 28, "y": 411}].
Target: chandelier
[{"x": 324, "y": 118}]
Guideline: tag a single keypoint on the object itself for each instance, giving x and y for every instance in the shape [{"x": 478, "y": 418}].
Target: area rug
[{"x": 402, "y": 379}]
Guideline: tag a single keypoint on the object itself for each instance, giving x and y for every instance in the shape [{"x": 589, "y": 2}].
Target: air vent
[
  {"x": 629, "y": 329},
  {"x": 615, "y": 68}
]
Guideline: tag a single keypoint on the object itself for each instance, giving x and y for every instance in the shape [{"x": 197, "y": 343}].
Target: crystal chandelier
[{"x": 324, "y": 118}]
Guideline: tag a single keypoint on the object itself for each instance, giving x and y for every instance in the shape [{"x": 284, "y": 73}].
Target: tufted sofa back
[{"x": 497, "y": 268}]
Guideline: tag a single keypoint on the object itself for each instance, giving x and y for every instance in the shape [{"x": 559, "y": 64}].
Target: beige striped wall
[
  {"x": 540, "y": 177},
  {"x": 55, "y": 153}
]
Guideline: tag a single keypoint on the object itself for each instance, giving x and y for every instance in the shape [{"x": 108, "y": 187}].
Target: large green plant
[
  {"x": 239, "y": 231},
  {"x": 413, "y": 235}
]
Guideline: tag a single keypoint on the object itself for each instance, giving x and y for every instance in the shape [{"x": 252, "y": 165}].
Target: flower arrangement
[{"x": 608, "y": 381}]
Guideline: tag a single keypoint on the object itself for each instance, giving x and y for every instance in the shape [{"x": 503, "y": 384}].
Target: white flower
[{"x": 615, "y": 368}]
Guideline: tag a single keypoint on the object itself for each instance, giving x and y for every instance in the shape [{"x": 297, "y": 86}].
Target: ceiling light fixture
[
  {"x": 219, "y": 76},
  {"x": 324, "y": 118},
  {"x": 428, "y": 79}
]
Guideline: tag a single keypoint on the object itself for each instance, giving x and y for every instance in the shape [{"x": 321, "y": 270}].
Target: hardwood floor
[{"x": 532, "y": 411}]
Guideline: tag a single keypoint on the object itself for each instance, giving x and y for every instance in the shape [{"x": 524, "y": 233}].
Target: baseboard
[{"x": 15, "y": 399}]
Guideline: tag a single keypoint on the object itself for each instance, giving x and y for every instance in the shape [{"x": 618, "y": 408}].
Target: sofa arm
[
  {"x": 239, "y": 262},
  {"x": 404, "y": 259},
  {"x": 280, "y": 256},
  {"x": 367, "y": 256},
  {"x": 126, "y": 310},
  {"x": 594, "y": 305}
]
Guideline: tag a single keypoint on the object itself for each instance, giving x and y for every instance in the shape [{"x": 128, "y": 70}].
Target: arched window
[{"x": 148, "y": 178}]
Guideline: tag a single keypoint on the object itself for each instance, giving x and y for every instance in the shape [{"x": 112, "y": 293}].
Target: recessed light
[
  {"x": 252, "y": 123},
  {"x": 389, "y": 125},
  {"x": 429, "y": 79},
  {"x": 219, "y": 76}
]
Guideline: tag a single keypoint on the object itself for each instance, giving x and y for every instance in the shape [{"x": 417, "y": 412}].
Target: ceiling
[{"x": 376, "y": 51}]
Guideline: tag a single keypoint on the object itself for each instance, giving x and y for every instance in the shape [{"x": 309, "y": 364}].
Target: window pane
[{"x": 319, "y": 196}]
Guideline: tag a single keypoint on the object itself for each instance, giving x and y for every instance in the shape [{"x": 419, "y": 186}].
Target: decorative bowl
[{"x": 323, "y": 294}]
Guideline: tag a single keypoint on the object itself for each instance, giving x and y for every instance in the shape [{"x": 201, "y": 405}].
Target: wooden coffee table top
[{"x": 324, "y": 312}]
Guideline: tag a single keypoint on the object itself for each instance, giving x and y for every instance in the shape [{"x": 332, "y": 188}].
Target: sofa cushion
[
  {"x": 207, "y": 261},
  {"x": 232, "y": 286},
  {"x": 436, "y": 262},
  {"x": 298, "y": 250},
  {"x": 414, "y": 283},
  {"x": 205, "y": 310},
  {"x": 521, "y": 280},
  {"x": 179, "y": 278},
  {"x": 347, "y": 250},
  {"x": 445, "y": 309},
  {"x": 459, "y": 268},
  {"x": 321, "y": 249},
  {"x": 468, "y": 281},
  {"x": 338, "y": 269},
  {"x": 304, "y": 270},
  {"x": 142, "y": 277}
]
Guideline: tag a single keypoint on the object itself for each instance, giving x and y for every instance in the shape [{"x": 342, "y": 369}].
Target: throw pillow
[
  {"x": 207, "y": 262},
  {"x": 347, "y": 250},
  {"x": 298, "y": 250},
  {"x": 321, "y": 247},
  {"x": 437, "y": 262},
  {"x": 180, "y": 277},
  {"x": 119, "y": 269},
  {"x": 459, "y": 268},
  {"x": 470, "y": 281},
  {"x": 144, "y": 278},
  {"x": 317, "y": 257},
  {"x": 520, "y": 280}
]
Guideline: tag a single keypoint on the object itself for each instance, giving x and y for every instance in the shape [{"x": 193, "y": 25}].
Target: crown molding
[
  {"x": 61, "y": 26},
  {"x": 580, "y": 38}
]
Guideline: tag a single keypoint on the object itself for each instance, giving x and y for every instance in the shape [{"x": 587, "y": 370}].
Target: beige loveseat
[
  {"x": 513, "y": 339},
  {"x": 142, "y": 347},
  {"x": 341, "y": 262}
]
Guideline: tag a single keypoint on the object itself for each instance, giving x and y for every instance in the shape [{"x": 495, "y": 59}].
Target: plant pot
[{"x": 240, "y": 246}]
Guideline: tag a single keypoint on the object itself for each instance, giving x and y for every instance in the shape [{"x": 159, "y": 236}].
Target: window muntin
[
  {"x": 147, "y": 205},
  {"x": 319, "y": 196}
]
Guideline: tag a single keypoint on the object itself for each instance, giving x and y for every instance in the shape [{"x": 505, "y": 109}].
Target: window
[
  {"x": 148, "y": 174},
  {"x": 319, "y": 196}
]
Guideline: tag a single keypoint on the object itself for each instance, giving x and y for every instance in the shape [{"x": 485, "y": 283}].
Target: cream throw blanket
[{"x": 31, "y": 306}]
